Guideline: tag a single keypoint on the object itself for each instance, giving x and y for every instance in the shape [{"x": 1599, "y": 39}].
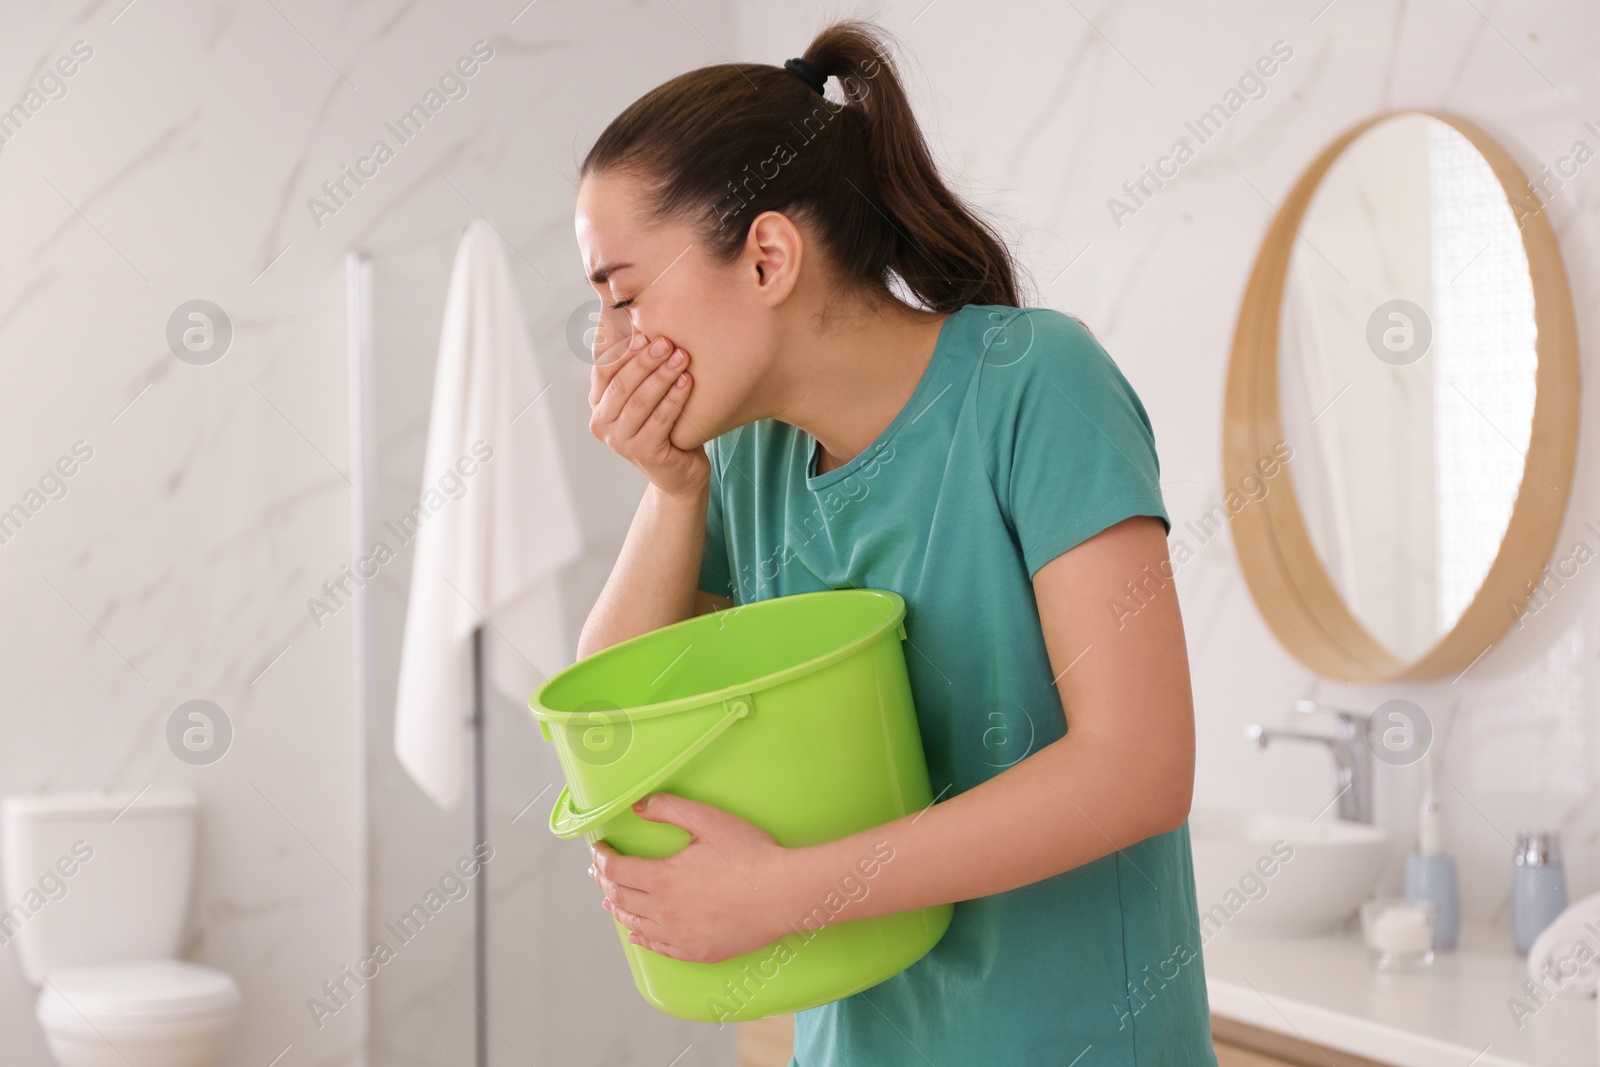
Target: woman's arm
[
  {"x": 1123, "y": 772},
  {"x": 653, "y": 582},
  {"x": 636, "y": 393}
]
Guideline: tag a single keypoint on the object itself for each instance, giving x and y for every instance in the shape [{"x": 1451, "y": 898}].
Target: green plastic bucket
[{"x": 794, "y": 713}]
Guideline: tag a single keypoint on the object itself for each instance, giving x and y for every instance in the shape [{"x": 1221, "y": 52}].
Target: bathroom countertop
[{"x": 1454, "y": 1013}]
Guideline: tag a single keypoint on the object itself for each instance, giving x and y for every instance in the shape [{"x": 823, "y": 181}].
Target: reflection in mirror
[{"x": 1407, "y": 359}]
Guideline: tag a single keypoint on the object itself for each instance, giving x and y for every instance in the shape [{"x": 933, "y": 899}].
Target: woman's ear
[{"x": 777, "y": 249}]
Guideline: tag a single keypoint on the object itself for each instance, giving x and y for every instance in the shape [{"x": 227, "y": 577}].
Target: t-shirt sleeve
[
  {"x": 1072, "y": 451},
  {"x": 715, "y": 574}
]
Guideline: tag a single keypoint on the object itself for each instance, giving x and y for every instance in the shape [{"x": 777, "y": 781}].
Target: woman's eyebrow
[{"x": 601, "y": 274}]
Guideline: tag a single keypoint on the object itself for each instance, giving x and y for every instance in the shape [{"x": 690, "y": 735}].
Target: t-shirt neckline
[{"x": 907, "y": 412}]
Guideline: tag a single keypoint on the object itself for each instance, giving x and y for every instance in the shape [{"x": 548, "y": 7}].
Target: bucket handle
[{"x": 566, "y": 822}]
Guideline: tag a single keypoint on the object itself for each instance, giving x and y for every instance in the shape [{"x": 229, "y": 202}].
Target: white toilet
[{"x": 96, "y": 887}]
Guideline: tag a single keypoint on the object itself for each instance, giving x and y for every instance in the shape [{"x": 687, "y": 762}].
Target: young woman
[{"x": 803, "y": 426}]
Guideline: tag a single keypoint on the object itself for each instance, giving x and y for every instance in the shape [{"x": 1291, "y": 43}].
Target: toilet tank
[{"x": 91, "y": 878}]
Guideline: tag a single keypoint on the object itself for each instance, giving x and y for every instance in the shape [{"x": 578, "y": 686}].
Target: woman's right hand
[{"x": 636, "y": 393}]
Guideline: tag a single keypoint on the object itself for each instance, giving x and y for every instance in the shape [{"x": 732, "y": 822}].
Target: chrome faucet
[{"x": 1351, "y": 756}]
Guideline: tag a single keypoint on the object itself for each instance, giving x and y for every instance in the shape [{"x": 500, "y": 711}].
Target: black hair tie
[{"x": 808, "y": 73}]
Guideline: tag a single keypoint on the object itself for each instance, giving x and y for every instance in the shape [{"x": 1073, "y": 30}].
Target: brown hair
[{"x": 721, "y": 144}]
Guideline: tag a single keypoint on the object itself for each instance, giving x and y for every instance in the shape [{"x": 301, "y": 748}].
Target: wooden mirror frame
[{"x": 1287, "y": 579}]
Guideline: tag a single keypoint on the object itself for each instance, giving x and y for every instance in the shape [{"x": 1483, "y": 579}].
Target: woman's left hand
[{"x": 723, "y": 894}]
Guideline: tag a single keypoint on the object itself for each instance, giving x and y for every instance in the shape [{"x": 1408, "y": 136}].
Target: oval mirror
[{"x": 1402, "y": 402}]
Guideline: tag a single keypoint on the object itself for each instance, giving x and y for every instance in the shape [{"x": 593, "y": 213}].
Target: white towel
[
  {"x": 495, "y": 544},
  {"x": 1565, "y": 957}
]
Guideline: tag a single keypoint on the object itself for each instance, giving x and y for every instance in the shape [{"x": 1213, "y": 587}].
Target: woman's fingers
[
  {"x": 635, "y": 368},
  {"x": 621, "y": 896},
  {"x": 614, "y": 348},
  {"x": 636, "y": 401},
  {"x": 614, "y": 340},
  {"x": 601, "y": 376},
  {"x": 660, "y": 422},
  {"x": 647, "y": 400},
  {"x": 638, "y": 924},
  {"x": 636, "y": 393}
]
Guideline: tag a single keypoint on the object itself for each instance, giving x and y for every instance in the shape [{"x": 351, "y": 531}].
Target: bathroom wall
[
  {"x": 178, "y": 164},
  {"x": 1041, "y": 113},
  {"x": 560, "y": 990}
]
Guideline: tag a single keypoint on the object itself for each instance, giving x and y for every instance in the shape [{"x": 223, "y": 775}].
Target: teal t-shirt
[{"x": 1021, "y": 440}]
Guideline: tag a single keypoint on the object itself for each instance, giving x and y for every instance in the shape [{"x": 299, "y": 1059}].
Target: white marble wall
[
  {"x": 560, "y": 989},
  {"x": 178, "y": 164},
  {"x": 1042, "y": 112}
]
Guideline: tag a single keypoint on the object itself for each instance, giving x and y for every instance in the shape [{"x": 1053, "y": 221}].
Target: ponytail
[{"x": 721, "y": 144}]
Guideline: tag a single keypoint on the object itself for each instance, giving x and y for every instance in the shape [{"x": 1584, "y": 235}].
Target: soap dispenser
[
  {"x": 1538, "y": 885},
  {"x": 1431, "y": 875}
]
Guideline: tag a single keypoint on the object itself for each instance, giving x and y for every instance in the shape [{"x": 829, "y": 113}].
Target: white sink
[{"x": 1257, "y": 874}]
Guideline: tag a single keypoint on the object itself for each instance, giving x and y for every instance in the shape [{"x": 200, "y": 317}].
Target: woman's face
[{"x": 719, "y": 315}]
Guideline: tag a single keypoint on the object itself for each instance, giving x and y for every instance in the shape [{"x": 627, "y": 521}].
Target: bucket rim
[{"x": 896, "y": 602}]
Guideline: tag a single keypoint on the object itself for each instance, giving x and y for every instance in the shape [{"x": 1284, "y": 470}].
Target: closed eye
[{"x": 619, "y": 305}]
